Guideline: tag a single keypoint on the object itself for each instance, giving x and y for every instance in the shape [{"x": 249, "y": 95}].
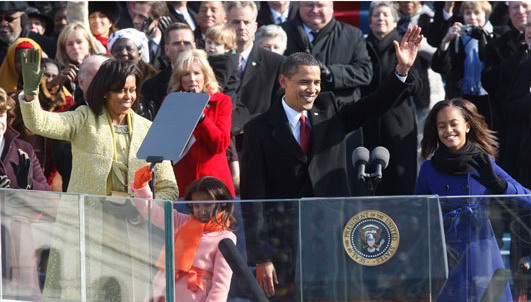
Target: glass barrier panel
[
  {"x": 65, "y": 247},
  {"x": 488, "y": 246},
  {"x": 370, "y": 249},
  {"x": 29, "y": 244}
]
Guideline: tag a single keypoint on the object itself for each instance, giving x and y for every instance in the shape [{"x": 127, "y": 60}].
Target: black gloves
[
  {"x": 487, "y": 177},
  {"x": 22, "y": 170},
  {"x": 4, "y": 181}
]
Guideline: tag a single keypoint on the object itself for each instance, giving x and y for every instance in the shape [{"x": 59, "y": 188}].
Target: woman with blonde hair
[
  {"x": 206, "y": 150},
  {"x": 74, "y": 45}
]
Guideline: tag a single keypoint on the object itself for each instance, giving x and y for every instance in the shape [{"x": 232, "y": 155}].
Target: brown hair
[
  {"x": 222, "y": 33},
  {"x": 175, "y": 26},
  {"x": 217, "y": 190},
  {"x": 7, "y": 104},
  {"x": 481, "y": 5},
  {"x": 479, "y": 135}
]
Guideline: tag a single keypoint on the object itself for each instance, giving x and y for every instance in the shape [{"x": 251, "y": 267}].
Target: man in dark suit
[
  {"x": 276, "y": 12},
  {"x": 209, "y": 13},
  {"x": 296, "y": 149},
  {"x": 259, "y": 87},
  {"x": 179, "y": 12},
  {"x": 178, "y": 37}
]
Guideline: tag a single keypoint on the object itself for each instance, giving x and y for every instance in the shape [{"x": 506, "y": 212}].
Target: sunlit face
[
  {"x": 193, "y": 79},
  {"x": 77, "y": 47},
  {"x": 518, "y": 11},
  {"x": 382, "y": 21},
  {"x": 408, "y": 8},
  {"x": 3, "y": 123},
  {"x": 60, "y": 20},
  {"x": 35, "y": 25},
  {"x": 316, "y": 14},
  {"x": 244, "y": 23},
  {"x": 474, "y": 17},
  {"x": 140, "y": 14},
  {"x": 120, "y": 102},
  {"x": 203, "y": 211},
  {"x": 124, "y": 49},
  {"x": 210, "y": 13},
  {"x": 10, "y": 26},
  {"x": 214, "y": 48},
  {"x": 273, "y": 44},
  {"x": 452, "y": 128},
  {"x": 100, "y": 24},
  {"x": 302, "y": 88},
  {"x": 178, "y": 41}
]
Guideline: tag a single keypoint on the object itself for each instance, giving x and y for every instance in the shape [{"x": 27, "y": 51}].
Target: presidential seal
[{"x": 371, "y": 238}]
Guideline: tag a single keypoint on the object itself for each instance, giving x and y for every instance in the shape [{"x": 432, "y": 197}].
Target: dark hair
[
  {"x": 217, "y": 190},
  {"x": 292, "y": 63},
  {"x": 45, "y": 61},
  {"x": 176, "y": 26},
  {"x": 111, "y": 77},
  {"x": 7, "y": 104},
  {"x": 479, "y": 135}
]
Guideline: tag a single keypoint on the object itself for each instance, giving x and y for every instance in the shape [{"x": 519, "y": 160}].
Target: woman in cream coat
[{"x": 105, "y": 139}]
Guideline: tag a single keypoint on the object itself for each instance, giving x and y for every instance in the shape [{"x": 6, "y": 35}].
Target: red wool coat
[{"x": 207, "y": 156}]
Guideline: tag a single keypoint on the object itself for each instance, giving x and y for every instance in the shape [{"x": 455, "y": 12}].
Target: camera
[{"x": 465, "y": 30}]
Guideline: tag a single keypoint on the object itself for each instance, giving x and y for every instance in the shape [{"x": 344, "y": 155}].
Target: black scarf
[{"x": 454, "y": 162}]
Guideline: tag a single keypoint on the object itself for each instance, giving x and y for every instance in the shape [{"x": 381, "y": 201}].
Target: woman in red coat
[{"x": 205, "y": 154}]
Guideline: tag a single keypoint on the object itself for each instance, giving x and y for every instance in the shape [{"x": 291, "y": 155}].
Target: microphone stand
[{"x": 153, "y": 160}]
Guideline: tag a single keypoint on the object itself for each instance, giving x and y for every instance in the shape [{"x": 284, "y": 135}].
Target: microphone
[
  {"x": 246, "y": 280},
  {"x": 380, "y": 159},
  {"x": 360, "y": 158}
]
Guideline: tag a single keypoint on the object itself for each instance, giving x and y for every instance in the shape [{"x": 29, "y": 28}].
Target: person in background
[
  {"x": 276, "y": 12},
  {"x": 273, "y": 38},
  {"x": 131, "y": 44},
  {"x": 178, "y": 38},
  {"x": 205, "y": 153},
  {"x": 462, "y": 151},
  {"x": 13, "y": 26},
  {"x": 201, "y": 271},
  {"x": 396, "y": 129},
  {"x": 500, "y": 49},
  {"x": 179, "y": 12},
  {"x": 19, "y": 166},
  {"x": 105, "y": 139},
  {"x": 58, "y": 15},
  {"x": 10, "y": 70},
  {"x": 39, "y": 22},
  {"x": 458, "y": 56},
  {"x": 220, "y": 38},
  {"x": 102, "y": 17},
  {"x": 210, "y": 13}
]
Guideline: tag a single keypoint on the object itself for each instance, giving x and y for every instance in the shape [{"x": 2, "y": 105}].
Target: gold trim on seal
[{"x": 375, "y": 240}]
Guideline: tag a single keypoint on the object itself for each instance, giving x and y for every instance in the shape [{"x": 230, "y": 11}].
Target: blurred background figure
[
  {"x": 276, "y": 12},
  {"x": 273, "y": 38},
  {"x": 102, "y": 17},
  {"x": 209, "y": 13}
]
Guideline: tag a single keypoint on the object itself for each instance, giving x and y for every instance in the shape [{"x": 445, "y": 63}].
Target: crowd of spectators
[{"x": 236, "y": 51}]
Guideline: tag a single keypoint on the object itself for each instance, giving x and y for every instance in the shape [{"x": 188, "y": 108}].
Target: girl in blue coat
[{"x": 462, "y": 149}]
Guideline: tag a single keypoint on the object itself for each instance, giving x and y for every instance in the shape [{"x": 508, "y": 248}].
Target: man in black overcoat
[{"x": 274, "y": 165}]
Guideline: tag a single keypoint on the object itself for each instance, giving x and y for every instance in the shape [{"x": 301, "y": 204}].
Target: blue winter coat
[{"x": 474, "y": 254}]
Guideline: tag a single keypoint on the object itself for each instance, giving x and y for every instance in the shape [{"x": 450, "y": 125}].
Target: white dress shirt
[
  {"x": 278, "y": 17},
  {"x": 245, "y": 56},
  {"x": 294, "y": 119}
]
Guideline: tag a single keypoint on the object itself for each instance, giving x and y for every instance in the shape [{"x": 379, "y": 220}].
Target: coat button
[{"x": 446, "y": 187}]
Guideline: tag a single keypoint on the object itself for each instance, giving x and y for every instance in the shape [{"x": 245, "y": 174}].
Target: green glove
[{"x": 31, "y": 72}]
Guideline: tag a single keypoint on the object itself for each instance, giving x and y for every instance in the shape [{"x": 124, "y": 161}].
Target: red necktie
[{"x": 305, "y": 135}]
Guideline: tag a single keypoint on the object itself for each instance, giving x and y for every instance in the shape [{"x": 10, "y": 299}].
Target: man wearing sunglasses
[{"x": 12, "y": 24}]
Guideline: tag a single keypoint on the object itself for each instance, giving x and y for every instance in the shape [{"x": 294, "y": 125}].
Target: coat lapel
[
  {"x": 281, "y": 132},
  {"x": 253, "y": 64}
]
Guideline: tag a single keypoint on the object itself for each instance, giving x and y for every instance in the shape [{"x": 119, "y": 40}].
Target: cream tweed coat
[{"x": 92, "y": 147}]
